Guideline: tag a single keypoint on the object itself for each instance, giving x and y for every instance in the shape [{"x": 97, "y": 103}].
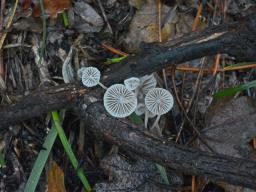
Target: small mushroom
[
  {"x": 80, "y": 72},
  {"x": 132, "y": 83},
  {"x": 158, "y": 101},
  {"x": 119, "y": 101},
  {"x": 148, "y": 82},
  {"x": 91, "y": 77}
]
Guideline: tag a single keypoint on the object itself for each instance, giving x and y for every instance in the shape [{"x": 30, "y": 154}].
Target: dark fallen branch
[
  {"x": 217, "y": 167},
  {"x": 236, "y": 39},
  {"x": 121, "y": 132},
  {"x": 39, "y": 102}
]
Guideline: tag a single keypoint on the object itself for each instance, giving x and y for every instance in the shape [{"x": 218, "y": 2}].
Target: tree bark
[
  {"x": 39, "y": 102},
  {"x": 218, "y": 167},
  {"x": 237, "y": 39}
]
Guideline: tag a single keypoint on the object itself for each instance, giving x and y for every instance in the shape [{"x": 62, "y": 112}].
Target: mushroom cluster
[{"x": 138, "y": 95}]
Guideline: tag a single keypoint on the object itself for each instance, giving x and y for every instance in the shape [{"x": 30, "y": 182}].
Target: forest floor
[{"x": 45, "y": 43}]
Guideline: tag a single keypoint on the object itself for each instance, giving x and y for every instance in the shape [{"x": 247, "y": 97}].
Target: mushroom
[
  {"x": 80, "y": 72},
  {"x": 158, "y": 101},
  {"x": 132, "y": 83},
  {"x": 148, "y": 82},
  {"x": 119, "y": 101},
  {"x": 91, "y": 77}
]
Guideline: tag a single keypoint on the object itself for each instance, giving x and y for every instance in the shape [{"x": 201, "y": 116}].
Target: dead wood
[
  {"x": 39, "y": 102},
  {"x": 237, "y": 39},
  {"x": 187, "y": 160}
]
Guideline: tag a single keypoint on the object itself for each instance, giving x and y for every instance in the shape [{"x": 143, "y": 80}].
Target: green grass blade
[
  {"x": 115, "y": 60},
  {"x": 138, "y": 121},
  {"x": 69, "y": 151},
  {"x": 2, "y": 161},
  {"x": 65, "y": 19},
  {"x": 233, "y": 90},
  {"x": 239, "y": 64},
  {"x": 40, "y": 161},
  {"x": 163, "y": 173}
]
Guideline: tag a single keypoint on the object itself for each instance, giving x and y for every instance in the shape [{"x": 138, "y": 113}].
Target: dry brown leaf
[
  {"x": 25, "y": 4},
  {"x": 230, "y": 127},
  {"x": 56, "y": 179},
  {"x": 144, "y": 26},
  {"x": 52, "y": 7}
]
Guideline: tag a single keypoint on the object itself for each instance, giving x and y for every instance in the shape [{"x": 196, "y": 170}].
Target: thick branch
[
  {"x": 39, "y": 102},
  {"x": 237, "y": 39},
  {"x": 217, "y": 167}
]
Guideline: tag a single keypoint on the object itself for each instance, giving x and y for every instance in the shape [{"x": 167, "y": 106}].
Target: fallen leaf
[
  {"x": 144, "y": 27},
  {"x": 89, "y": 20},
  {"x": 230, "y": 127},
  {"x": 52, "y": 7},
  {"x": 56, "y": 179},
  {"x": 25, "y": 4}
]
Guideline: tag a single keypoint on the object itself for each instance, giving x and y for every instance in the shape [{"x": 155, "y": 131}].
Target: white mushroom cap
[
  {"x": 148, "y": 82},
  {"x": 159, "y": 101},
  {"x": 90, "y": 76},
  {"x": 132, "y": 83},
  {"x": 119, "y": 101}
]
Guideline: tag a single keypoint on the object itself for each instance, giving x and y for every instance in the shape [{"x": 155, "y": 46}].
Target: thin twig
[
  {"x": 185, "y": 114},
  {"x": 114, "y": 50},
  {"x": 2, "y": 73},
  {"x": 8, "y": 25},
  {"x": 216, "y": 64},
  {"x": 197, "y": 19},
  {"x": 199, "y": 76},
  {"x": 43, "y": 43},
  {"x": 159, "y": 18},
  {"x": 104, "y": 16}
]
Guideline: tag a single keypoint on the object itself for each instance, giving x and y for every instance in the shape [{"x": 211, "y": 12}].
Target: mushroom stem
[
  {"x": 156, "y": 124},
  {"x": 103, "y": 86},
  {"x": 146, "y": 118}
]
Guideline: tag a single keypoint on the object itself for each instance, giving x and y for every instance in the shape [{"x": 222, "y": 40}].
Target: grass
[
  {"x": 55, "y": 130},
  {"x": 68, "y": 150},
  {"x": 65, "y": 19},
  {"x": 233, "y": 90},
  {"x": 40, "y": 161},
  {"x": 2, "y": 161}
]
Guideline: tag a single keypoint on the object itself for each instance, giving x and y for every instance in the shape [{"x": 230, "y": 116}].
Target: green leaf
[
  {"x": 163, "y": 173},
  {"x": 2, "y": 161},
  {"x": 40, "y": 161},
  {"x": 68, "y": 150},
  {"x": 240, "y": 64},
  {"x": 114, "y": 60},
  {"x": 234, "y": 90},
  {"x": 65, "y": 19},
  {"x": 136, "y": 119}
]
